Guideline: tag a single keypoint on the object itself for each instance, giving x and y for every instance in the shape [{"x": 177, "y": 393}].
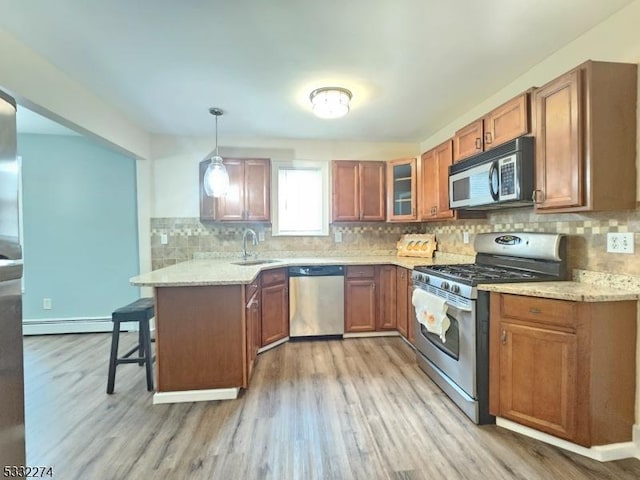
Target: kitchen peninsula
[{"x": 204, "y": 336}]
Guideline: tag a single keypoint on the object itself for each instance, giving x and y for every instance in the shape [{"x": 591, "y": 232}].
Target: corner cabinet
[
  {"x": 510, "y": 120},
  {"x": 248, "y": 199},
  {"x": 358, "y": 191},
  {"x": 585, "y": 126},
  {"x": 402, "y": 191},
  {"x": 564, "y": 368}
]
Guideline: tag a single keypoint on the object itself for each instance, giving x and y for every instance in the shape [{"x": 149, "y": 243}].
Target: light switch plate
[
  {"x": 163, "y": 239},
  {"x": 465, "y": 237},
  {"x": 618, "y": 242},
  {"x": 337, "y": 236},
  {"x": 261, "y": 236}
]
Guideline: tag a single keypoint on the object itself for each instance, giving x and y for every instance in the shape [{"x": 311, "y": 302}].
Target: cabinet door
[
  {"x": 345, "y": 191},
  {"x": 468, "y": 141},
  {"x": 360, "y": 305},
  {"x": 372, "y": 191},
  {"x": 231, "y": 206},
  {"x": 207, "y": 205},
  {"x": 275, "y": 313},
  {"x": 411, "y": 312},
  {"x": 508, "y": 121},
  {"x": 253, "y": 316},
  {"x": 402, "y": 305},
  {"x": 429, "y": 185},
  {"x": 538, "y": 377},
  {"x": 387, "y": 314},
  {"x": 559, "y": 165},
  {"x": 443, "y": 157},
  {"x": 257, "y": 178},
  {"x": 402, "y": 192}
]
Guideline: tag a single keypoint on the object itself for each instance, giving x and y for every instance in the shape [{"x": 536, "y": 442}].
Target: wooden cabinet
[
  {"x": 402, "y": 191},
  {"x": 358, "y": 191},
  {"x": 387, "y": 313},
  {"x": 248, "y": 199},
  {"x": 564, "y": 368},
  {"x": 435, "y": 182},
  {"x": 434, "y": 185},
  {"x": 585, "y": 127},
  {"x": 510, "y": 120},
  {"x": 361, "y": 306},
  {"x": 275, "y": 306},
  {"x": 402, "y": 301},
  {"x": 253, "y": 315}
]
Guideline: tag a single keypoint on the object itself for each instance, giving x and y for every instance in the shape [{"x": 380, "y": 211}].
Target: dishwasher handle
[{"x": 317, "y": 271}]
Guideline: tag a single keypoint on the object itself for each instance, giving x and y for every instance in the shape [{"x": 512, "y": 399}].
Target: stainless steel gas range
[{"x": 459, "y": 365}]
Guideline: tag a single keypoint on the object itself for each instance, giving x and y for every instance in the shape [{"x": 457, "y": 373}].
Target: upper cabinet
[
  {"x": 508, "y": 121},
  {"x": 434, "y": 186},
  {"x": 585, "y": 126},
  {"x": 358, "y": 191},
  {"x": 434, "y": 204},
  {"x": 248, "y": 198},
  {"x": 402, "y": 192}
]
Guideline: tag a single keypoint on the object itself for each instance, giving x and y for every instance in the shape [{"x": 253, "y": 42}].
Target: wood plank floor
[{"x": 352, "y": 409}]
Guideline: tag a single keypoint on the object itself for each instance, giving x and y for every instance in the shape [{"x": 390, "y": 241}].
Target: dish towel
[{"x": 431, "y": 311}]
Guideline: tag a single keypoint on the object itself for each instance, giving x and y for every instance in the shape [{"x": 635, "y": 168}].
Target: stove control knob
[
  {"x": 455, "y": 288},
  {"x": 445, "y": 285},
  {"x": 426, "y": 279}
]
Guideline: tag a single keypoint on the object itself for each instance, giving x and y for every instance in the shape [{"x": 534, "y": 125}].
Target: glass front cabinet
[{"x": 402, "y": 190}]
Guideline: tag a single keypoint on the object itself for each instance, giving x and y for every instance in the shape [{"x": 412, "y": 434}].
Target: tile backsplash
[{"x": 587, "y": 237}]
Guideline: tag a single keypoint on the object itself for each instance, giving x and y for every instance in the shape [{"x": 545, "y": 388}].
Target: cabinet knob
[
  {"x": 487, "y": 138},
  {"x": 478, "y": 143},
  {"x": 503, "y": 337},
  {"x": 534, "y": 310}
]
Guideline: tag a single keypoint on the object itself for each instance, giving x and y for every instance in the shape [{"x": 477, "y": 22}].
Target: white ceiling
[{"x": 413, "y": 65}]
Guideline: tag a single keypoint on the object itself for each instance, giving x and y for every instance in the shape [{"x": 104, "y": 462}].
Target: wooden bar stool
[{"x": 140, "y": 311}]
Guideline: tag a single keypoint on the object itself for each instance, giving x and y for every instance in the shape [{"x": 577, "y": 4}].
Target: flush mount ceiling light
[
  {"x": 216, "y": 177},
  {"x": 330, "y": 102}
]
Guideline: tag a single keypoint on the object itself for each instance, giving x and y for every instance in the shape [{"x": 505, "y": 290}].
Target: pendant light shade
[
  {"x": 330, "y": 102},
  {"x": 216, "y": 177}
]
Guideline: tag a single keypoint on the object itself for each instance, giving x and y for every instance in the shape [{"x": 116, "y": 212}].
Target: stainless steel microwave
[{"x": 499, "y": 178}]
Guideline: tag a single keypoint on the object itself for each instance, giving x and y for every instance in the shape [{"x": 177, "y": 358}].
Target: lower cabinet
[
  {"x": 360, "y": 297},
  {"x": 404, "y": 306},
  {"x": 387, "y": 314},
  {"x": 564, "y": 368},
  {"x": 274, "y": 306},
  {"x": 253, "y": 315}
]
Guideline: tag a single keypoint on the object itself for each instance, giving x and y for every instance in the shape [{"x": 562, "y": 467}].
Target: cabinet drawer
[
  {"x": 361, "y": 271},
  {"x": 273, "y": 277},
  {"x": 542, "y": 310}
]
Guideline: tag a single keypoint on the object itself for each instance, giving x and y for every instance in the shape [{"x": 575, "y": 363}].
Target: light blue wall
[{"x": 80, "y": 227}]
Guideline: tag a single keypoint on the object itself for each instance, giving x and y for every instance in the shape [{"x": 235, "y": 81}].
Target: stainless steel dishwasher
[{"x": 316, "y": 301}]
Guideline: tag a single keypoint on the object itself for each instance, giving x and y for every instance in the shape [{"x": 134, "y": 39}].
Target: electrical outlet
[
  {"x": 164, "y": 239},
  {"x": 46, "y": 304},
  {"x": 261, "y": 236},
  {"x": 337, "y": 236},
  {"x": 465, "y": 237},
  {"x": 620, "y": 242}
]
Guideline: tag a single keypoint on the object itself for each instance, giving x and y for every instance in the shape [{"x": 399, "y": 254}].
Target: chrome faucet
[{"x": 248, "y": 231}]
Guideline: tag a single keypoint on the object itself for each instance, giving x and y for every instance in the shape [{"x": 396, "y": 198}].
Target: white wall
[{"x": 175, "y": 162}]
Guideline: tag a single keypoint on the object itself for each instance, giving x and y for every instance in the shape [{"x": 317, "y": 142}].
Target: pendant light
[{"x": 216, "y": 177}]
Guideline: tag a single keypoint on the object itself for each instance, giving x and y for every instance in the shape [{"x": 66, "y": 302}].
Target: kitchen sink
[{"x": 257, "y": 261}]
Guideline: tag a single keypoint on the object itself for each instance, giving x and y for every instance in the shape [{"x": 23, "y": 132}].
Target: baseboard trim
[
  {"x": 390, "y": 333},
  {"x": 195, "y": 395},
  {"x": 601, "y": 453},
  {"x": 51, "y": 326},
  {"x": 636, "y": 440}
]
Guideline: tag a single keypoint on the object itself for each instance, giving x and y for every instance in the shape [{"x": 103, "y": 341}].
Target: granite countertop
[
  {"x": 573, "y": 291},
  {"x": 222, "y": 271}
]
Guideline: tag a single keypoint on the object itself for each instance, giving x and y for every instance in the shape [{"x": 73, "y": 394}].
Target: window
[{"x": 300, "y": 198}]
